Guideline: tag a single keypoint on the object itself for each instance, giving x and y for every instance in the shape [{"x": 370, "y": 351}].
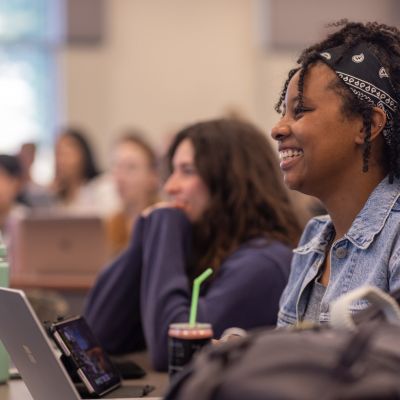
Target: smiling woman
[
  {"x": 314, "y": 158},
  {"x": 228, "y": 209},
  {"x": 339, "y": 140}
]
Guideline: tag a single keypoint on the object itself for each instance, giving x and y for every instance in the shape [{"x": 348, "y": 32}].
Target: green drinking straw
[{"x": 195, "y": 294}]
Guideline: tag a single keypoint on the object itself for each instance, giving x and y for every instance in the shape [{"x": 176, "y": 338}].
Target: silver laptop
[
  {"x": 51, "y": 248},
  {"x": 33, "y": 354}
]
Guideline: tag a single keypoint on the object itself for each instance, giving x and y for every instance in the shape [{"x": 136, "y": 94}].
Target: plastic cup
[{"x": 184, "y": 340}]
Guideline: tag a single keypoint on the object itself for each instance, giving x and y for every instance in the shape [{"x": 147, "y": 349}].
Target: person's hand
[
  {"x": 162, "y": 204},
  {"x": 230, "y": 334}
]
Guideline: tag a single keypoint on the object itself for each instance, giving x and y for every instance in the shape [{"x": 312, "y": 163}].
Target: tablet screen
[{"x": 87, "y": 354}]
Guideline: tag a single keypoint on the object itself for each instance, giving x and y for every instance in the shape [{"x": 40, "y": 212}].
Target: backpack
[{"x": 343, "y": 361}]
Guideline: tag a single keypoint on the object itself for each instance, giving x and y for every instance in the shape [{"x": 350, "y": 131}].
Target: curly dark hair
[
  {"x": 384, "y": 42},
  {"x": 248, "y": 197}
]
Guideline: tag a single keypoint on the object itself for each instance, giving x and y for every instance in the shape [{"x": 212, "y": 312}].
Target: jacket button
[{"x": 341, "y": 252}]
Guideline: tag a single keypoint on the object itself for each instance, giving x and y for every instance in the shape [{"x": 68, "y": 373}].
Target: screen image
[{"x": 88, "y": 355}]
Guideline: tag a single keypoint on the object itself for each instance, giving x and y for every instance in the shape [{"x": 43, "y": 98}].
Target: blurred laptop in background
[{"x": 59, "y": 252}]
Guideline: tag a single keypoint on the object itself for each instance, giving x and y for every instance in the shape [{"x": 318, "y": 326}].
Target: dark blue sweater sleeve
[
  {"x": 164, "y": 285},
  {"x": 245, "y": 292},
  {"x": 112, "y": 308}
]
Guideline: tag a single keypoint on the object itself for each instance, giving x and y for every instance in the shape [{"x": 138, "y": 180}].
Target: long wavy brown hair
[{"x": 248, "y": 197}]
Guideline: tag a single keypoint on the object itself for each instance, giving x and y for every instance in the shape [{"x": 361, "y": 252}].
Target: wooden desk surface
[
  {"x": 58, "y": 282},
  {"x": 16, "y": 389}
]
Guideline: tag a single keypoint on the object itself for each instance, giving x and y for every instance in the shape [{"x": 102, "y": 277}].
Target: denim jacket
[{"x": 368, "y": 254}]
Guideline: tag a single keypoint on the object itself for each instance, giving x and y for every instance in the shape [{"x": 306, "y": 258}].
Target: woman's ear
[{"x": 378, "y": 121}]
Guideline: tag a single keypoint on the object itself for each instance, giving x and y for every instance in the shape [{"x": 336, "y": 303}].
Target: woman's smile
[{"x": 289, "y": 157}]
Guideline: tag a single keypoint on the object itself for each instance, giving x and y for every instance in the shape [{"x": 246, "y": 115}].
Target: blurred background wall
[{"x": 153, "y": 64}]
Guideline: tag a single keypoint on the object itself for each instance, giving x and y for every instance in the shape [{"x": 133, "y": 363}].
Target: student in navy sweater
[{"x": 228, "y": 210}]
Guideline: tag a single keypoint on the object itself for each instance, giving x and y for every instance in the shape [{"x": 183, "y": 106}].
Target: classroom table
[{"x": 15, "y": 389}]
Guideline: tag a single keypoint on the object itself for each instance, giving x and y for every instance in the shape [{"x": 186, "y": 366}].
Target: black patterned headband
[{"x": 365, "y": 76}]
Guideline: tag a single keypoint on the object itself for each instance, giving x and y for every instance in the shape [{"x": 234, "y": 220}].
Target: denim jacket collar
[
  {"x": 320, "y": 241},
  {"x": 368, "y": 223}
]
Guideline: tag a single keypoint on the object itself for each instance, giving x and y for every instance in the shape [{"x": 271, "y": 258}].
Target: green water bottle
[{"x": 4, "y": 274}]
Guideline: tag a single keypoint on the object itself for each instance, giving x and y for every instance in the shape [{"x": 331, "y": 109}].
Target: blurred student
[
  {"x": 228, "y": 210},
  {"x": 31, "y": 193},
  {"x": 134, "y": 171},
  {"x": 78, "y": 185},
  {"x": 26, "y": 156},
  {"x": 10, "y": 184}
]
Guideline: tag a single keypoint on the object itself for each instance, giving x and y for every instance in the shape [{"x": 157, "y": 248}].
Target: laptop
[
  {"x": 34, "y": 356},
  {"x": 51, "y": 249}
]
